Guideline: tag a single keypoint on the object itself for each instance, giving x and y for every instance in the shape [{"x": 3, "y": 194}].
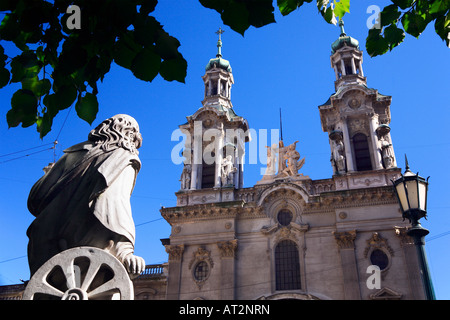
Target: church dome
[
  {"x": 344, "y": 40},
  {"x": 218, "y": 63}
]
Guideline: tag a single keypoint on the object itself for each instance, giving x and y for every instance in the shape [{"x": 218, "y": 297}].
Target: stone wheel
[{"x": 83, "y": 273}]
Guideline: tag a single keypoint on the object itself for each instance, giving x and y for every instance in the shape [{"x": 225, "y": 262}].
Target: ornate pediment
[{"x": 386, "y": 294}]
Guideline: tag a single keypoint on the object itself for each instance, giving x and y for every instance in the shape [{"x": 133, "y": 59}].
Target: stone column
[
  {"x": 378, "y": 161},
  {"x": 347, "y": 147},
  {"x": 360, "y": 68},
  {"x": 336, "y": 72},
  {"x": 353, "y": 66},
  {"x": 197, "y": 154},
  {"x": 345, "y": 241},
  {"x": 174, "y": 271},
  {"x": 219, "y": 157},
  {"x": 343, "y": 67},
  {"x": 227, "y": 280}
]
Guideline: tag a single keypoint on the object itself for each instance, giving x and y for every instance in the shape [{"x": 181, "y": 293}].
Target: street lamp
[{"x": 411, "y": 190}]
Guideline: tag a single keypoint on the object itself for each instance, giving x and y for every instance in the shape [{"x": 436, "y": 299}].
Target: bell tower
[
  {"x": 214, "y": 147},
  {"x": 218, "y": 79},
  {"x": 356, "y": 117}
]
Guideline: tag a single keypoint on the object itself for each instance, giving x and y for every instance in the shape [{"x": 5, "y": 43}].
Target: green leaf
[
  {"x": 375, "y": 43},
  {"x": 124, "y": 54},
  {"x": 442, "y": 28},
  {"x": 261, "y": 13},
  {"x": 341, "y": 7},
  {"x": 9, "y": 27},
  {"x": 167, "y": 46},
  {"x": 389, "y": 15},
  {"x": 413, "y": 23},
  {"x": 44, "y": 124},
  {"x": 329, "y": 16},
  {"x": 65, "y": 96},
  {"x": 287, "y": 6},
  {"x": 403, "y": 4},
  {"x": 4, "y": 77},
  {"x": 174, "y": 69},
  {"x": 394, "y": 36},
  {"x": 236, "y": 16},
  {"x": 239, "y": 15},
  {"x": 148, "y": 6},
  {"x": 439, "y": 6},
  {"x": 3, "y": 56},
  {"x": 87, "y": 107},
  {"x": 24, "y": 109},
  {"x": 145, "y": 65}
]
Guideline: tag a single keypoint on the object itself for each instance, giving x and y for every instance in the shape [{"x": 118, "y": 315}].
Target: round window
[
  {"x": 201, "y": 271},
  {"x": 284, "y": 217},
  {"x": 379, "y": 258}
]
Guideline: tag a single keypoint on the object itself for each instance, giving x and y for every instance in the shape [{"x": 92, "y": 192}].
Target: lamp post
[{"x": 411, "y": 190}]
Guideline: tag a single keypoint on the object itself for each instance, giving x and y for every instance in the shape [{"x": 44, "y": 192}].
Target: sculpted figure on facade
[
  {"x": 271, "y": 162},
  {"x": 292, "y": 157},
  {"x": 387, "y": 153},
  {"x": 338, "y": 156},
  {"x": 228, "y": 170},
  {"x": 186, "y": 177},
  {"x": 84, "y": 199}
]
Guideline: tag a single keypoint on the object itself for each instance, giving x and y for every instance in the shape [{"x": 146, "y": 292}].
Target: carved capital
[
  {"x": 175, "y": 252},
  {"x": 346, "y": 239},
  {"x": 404, "y": 238},
  {"x": 228, "y": 248}
]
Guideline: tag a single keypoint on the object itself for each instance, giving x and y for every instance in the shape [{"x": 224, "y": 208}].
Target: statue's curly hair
[{"x": 119, "y": 131}]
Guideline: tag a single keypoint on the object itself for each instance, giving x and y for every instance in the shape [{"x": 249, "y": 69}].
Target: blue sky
[{"x": 283, "y": 65}]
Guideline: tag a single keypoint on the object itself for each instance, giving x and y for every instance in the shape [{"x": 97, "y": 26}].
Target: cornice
[{"x": 207, "y": 211}]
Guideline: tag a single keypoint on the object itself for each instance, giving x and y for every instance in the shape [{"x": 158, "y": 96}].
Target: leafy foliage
[
  {"x": 59, "y": 66},
  {"x": 414, "y": 18},
  {"x": 239, "y": 15}
]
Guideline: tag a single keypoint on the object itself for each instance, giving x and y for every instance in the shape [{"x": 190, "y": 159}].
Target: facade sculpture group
[{"x": 282, "y": 162}]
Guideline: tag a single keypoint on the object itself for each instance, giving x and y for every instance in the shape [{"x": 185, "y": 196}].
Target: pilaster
[{"x": 346, "y": 244}]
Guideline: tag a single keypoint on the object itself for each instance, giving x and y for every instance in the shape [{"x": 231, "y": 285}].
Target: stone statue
[
  {"x": 186, "y": 177},
  {"x": 293, "y": 163},
  {"x": 387, "y": 153},
  {"x": 338, "y": 156},
  {"x": 228, "y": 170},
  {"x": 84, "y": 199},
  {"x": 271, "y": 162}
]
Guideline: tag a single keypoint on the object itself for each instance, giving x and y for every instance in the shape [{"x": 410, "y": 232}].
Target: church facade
[{"x": 288, "y": 236}]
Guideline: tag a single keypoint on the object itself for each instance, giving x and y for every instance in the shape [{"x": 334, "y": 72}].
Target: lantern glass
[
  {"x": 413, "y": 197},
  {"x": 423, "y": 195},
  {"x": 400, "y": 187}
]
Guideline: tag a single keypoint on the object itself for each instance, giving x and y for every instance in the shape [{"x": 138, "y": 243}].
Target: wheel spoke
[
  {"x": 46, "y": 288},
  {"x": 93, "y": 268},
  {"x": 104, "y": 288}
]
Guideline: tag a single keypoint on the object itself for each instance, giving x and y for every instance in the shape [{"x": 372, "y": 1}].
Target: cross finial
[
  {"x": 219, "y": 42},
  {"x": 219, "y": 32}
]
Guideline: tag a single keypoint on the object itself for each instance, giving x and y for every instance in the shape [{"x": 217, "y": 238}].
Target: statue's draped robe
[{"x": 84, "y": 200}]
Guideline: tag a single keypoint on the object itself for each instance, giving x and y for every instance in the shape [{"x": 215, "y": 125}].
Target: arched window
[
  {"x": 362, "y": 152},
  {"x": 208, "y": 175},
  {"x": 287, "y": 266}
]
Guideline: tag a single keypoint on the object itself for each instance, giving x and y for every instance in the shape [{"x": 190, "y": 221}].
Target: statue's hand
[{"x": 134, "y": 264}]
